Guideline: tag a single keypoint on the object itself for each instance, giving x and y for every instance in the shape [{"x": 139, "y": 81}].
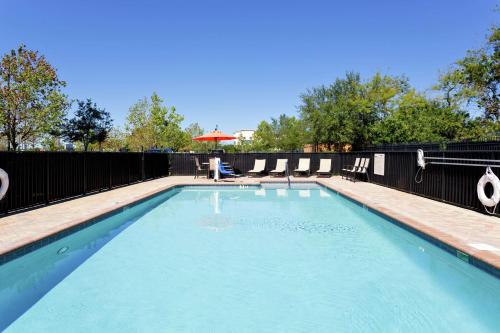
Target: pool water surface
[{"x": 253, "y": 259}]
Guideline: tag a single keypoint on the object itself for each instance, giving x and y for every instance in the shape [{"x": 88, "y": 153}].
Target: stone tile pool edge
[{"x": 487, "y": 262}]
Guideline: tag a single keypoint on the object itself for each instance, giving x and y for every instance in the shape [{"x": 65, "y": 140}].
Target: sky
[{"x": 235, "y": 63}]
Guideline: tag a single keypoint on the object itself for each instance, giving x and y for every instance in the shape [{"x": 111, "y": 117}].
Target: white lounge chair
[
  {"x": 304, "y": 167},
  {"x": 350, "y": 168},
  {"x": 325, "y": 167},
  {"x": 363, "y": 169},
  {"x": 258, "y": 168},
  {"x": 280, "y": 167}
]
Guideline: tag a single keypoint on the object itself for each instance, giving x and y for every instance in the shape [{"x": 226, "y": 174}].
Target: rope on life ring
[
  {"x": 489, "y": 177},
  {"x": 4, "y": 179},
  {"x": 421, "y": 166}
]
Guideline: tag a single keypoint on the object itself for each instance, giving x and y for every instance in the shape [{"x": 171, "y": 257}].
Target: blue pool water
[{"x": 256, "y": 259}]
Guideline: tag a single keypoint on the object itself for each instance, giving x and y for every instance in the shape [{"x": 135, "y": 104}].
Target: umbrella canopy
[{"x": 215, "y": 135}]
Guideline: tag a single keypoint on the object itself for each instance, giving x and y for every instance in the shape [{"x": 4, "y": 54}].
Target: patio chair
[
  {"x": 229, "y": 164},
  {"x": 258, "y": 168},
  {"x": 199, "y": 169},
  {"x": 352, "y": 174},
  {"x": 280, "y": 170},
  {"x": 350, "y": 168},
  {"x": 363, "y": 169},
  {"x": 211, "y": 166},
  {"x": 325, "y": 167},
  {"x": 304, "y": 167},
  {"x": 225, "y": 172}
]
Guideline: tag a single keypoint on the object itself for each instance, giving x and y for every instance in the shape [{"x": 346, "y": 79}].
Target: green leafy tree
[
  {"x": 194, "y": 130},
  {"x": 89, "y": 125},
  {"x": 115, "y": 140},
  {"x": 31, "y": 102},
  {"x": 476, "y": 78},
  {"x": 283, "y": 133},
  {"x": 290, "y": 133},
  {"x": 264, "y": 138},
  {"x": 151, "y": 124},
  {"x": 419, "y": 119},
  {"x": 243, "y": 144},
  {"x": 139, "y": 127},
  {"x": 344, "y": 112}
]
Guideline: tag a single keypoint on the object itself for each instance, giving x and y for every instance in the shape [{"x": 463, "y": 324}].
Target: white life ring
[
  {"x": 489, "y": 177},
  {"x": 4, "y": 179},
  {"x": 420, "y": 158}
]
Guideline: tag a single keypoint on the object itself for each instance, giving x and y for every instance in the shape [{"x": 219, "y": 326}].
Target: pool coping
[{"x": 484, "y": 260}]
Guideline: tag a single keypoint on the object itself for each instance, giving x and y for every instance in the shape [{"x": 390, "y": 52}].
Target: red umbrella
[{"x": 214, "y": 135}]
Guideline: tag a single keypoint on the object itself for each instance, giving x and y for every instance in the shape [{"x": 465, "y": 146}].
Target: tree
[
  {"x": 139, "y": 127},
  {"x": 264, "y": 138},
  {"x": 344, "y": 112},
  {"x": 476, "y": 78},
  {"x": 89, "y": 125},
  {"x": 150, "y": 124},
  {"x": 31, "y": 102},
  {"x": 290, "y": 133},
  {"x": 115, "y": 140},
  {"x": 284, "y": 133},
  {"x": 420, "y": 119},
  {"x": 192, "y": 131}
]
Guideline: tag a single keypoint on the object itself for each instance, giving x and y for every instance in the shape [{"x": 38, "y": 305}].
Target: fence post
[
  {"x": 128, "y": 164},
  {"x": 443, "y": 189},
  {"x": 142, "y": 167},
  {"x": 47, "y": 181},
  {"x": 84, "y": 172},
  {"x": 110, "y": 171}
]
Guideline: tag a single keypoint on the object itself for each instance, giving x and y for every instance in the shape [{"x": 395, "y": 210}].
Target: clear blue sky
[{"x": 234, "y": 63}]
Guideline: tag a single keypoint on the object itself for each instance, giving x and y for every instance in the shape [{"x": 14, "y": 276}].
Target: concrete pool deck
[{"x": 475, "y": 234}]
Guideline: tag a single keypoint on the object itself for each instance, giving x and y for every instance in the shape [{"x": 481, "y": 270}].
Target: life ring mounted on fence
[
  {"x": 489, "y": 177},
  {"x": 4, "y": 180}
]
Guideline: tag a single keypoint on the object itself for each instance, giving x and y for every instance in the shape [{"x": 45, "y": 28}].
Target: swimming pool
[{"x": 250, "y": 259}]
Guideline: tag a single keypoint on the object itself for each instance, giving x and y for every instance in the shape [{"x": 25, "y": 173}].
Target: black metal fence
[
  {"x": 447, "y": 183},
  {"x": 450, "y": 146},
  {"x": 38, "y": 178}
]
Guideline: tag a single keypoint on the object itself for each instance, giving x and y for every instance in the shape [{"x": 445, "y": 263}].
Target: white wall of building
[{"x": 246, "y": 134}]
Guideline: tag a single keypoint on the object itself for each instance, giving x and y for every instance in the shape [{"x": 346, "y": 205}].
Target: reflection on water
[
  {"x": 215, "y": 202},
  {"x": 305, "y": 193},
  {"x": 260, "y": 192},
  {"x": 281, "y": 192}
]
